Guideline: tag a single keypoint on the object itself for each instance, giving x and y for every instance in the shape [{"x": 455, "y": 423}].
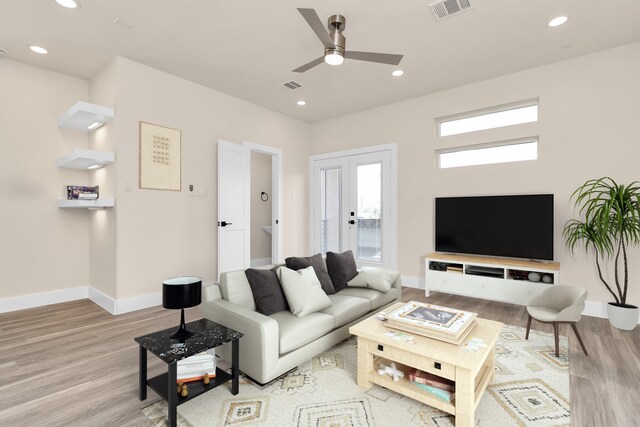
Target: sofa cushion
[
  {"x": 345, "y": 308},
  {"x": 342, "y": 268},
  {"x": 303, "y": 291},
  {"x": 379, "y": 279},
  {"x": 377, "y": 299},
  {"x": 315, "y": 261},
  {"x": 267, "y": 293},
  {"x": 236, "y": 289},
  {"x": 294, "y": 332}
]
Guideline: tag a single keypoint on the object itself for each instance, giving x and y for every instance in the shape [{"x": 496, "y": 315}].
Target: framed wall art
[{"x": 160, "y": 157}]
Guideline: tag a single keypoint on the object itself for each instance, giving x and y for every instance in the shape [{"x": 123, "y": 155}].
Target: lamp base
[{"x": 182, "y": 333}]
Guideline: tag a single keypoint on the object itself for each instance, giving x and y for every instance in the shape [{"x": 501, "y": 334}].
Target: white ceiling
[{"x": 248, "y": 48}]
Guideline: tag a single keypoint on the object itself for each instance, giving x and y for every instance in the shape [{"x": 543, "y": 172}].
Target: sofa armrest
[{"x": 259, "y": 347}]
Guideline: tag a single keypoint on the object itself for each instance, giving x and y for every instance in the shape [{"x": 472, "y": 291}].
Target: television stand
[{"x": 500, "y": 279}]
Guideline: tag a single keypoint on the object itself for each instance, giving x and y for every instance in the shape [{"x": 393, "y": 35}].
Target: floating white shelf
[
  {"x": 86, "y": 204},
  {"x": 85, "y": 117},
  {"x": 85, "y": 159}
]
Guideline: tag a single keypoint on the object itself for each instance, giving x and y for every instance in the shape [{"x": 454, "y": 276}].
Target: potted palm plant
[{"x": 609, "y": 225}]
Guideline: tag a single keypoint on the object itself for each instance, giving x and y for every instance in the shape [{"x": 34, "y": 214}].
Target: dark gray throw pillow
[
  {"x": 315, "y": 261},
  {"x": 266, "y": 289},
  {"x": 342, "y": 268}
]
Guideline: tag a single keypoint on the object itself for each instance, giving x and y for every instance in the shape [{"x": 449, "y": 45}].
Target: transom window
[
  {"x": 505, "y": 152},
  {"x": 525, "y": 112}
]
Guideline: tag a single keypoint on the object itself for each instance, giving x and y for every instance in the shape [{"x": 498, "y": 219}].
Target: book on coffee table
[
  {"x": 433, "y": 321},
  {"x": 422, "y": 377}
]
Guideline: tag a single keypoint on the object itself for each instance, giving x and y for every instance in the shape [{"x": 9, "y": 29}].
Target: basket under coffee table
[
  {"x": 471, "y": 371},
  {"x": 207, "y": 335}
]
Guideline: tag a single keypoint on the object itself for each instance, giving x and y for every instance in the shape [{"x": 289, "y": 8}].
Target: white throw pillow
[
  {"x": 379, "y": 279},
  {"x": 303, "y": 291}
]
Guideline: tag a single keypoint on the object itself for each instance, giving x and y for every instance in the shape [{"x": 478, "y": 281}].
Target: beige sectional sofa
[{"x": 273, "y": 345}]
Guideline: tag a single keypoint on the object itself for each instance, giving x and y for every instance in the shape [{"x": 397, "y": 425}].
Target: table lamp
[{"x": 181, "y": 292}]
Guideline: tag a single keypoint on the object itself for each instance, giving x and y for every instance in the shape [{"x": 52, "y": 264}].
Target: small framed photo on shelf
[{"x": 79, "y": 192}]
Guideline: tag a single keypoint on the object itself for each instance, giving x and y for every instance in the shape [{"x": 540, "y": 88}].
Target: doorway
[
  {"x": 235, "y": 201},
  {"x": 261, "y": 200},
  {"x": 353, "y": 204}
]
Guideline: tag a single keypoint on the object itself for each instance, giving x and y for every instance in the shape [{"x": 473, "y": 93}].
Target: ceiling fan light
[{"x": 333, "y": 58}]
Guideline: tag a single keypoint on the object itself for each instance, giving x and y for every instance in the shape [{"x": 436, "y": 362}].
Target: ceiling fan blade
[
  {"x": 385, "y": 58},
  {"x": 317, "y": 26},
  {"x": 309, "y": 65}
]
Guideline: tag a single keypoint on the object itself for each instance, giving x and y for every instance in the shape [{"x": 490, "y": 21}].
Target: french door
[{"x": 351, "y": 207}]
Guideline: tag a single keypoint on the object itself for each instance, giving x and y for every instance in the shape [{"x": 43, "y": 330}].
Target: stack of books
[
  {"x": 433, "y": 321},
  {"x": 441, "y": 388},
  {"x": 454, "y": 269},
  {"x": 195, "y": 367}
]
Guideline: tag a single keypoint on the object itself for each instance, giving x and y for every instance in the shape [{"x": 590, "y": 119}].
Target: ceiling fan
[{"x": 334, "y": 43}]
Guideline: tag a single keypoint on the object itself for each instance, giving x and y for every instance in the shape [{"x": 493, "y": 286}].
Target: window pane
[
  {"x": 489, "y": 155},
  {"x": 369, "y": 214},
  {"x": 330, "y": 210},
  {"x": 498, "y": 119}
]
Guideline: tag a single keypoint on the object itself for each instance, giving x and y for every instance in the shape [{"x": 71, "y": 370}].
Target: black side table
[{"x": 207, "y": 335}]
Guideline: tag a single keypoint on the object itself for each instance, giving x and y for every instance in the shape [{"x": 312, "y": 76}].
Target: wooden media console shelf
[{"x": 500, "y": 279}]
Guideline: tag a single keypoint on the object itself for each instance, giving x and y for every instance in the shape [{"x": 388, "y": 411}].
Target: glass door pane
[
  {"x": 330, "y": 210},
  {"x": 369, "y": 212}
]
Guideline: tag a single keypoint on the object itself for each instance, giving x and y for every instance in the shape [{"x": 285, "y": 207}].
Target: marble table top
[{"x": 207, "y": 334}]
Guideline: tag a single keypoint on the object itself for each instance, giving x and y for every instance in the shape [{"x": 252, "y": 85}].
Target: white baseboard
[
  {"x": 412, "y": 282},
  {"x": 113, "y": 306},
  {"x": 591, "y": 308},
  {"x": 22, "y": 302},
  {"x": 126, "y": 305},
  {"x": 103, "y": 300},
  {"x": 260, "y": 261}
]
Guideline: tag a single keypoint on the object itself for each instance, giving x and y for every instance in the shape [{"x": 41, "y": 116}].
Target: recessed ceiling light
[
  {"x": 558, "y": 21},
  {"x": 397, "y": 73},
  {"x": 301, "y": 102},
  {"x": 70, "y": 4},
  {"x": 38, "y": 49}
]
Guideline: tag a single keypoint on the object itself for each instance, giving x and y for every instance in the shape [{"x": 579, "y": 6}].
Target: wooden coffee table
[{"x": 472, "y": 372}]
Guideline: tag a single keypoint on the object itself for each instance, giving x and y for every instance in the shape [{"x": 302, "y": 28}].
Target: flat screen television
[{"x": 519, "y": 226}]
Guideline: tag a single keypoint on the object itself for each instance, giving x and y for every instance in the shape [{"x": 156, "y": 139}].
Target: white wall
[
  {"x": 161, "y": 234},
  {"x": 588, "y": 128},
  {"x": 42, "y": 247},
  {"x": 261, "y": 213}
]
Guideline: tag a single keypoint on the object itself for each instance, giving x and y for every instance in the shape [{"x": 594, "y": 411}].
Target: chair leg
[
  {"x": 575, "y": 329},
  {"x": 528, "y": 327},
  {"x": 557, "y": 338}
]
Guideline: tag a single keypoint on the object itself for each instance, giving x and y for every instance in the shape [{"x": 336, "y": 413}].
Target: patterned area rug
[{"x": 531, "y": 388}]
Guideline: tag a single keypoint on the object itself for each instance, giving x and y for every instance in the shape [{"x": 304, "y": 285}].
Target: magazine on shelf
[
  {"x": 422, "y": 377},
  {"x": 444, "y": 395},
  {"x": 195, "y": 367},
  {"x": 434, "y": 321}
]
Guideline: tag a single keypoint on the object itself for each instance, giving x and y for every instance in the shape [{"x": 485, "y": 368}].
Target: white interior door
[
  {"x": 234, "y": 218},
  {"x": 352, "y": 207}
]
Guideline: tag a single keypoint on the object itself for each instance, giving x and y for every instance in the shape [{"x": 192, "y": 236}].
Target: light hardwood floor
[{"x": 73, "y": 364}]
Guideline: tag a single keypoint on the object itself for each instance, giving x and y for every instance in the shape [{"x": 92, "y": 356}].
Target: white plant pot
[{"x": 625, "y": 318}]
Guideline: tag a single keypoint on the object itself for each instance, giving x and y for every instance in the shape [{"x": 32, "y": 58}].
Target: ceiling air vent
[
  {"x": 445, "y": 8},
  {"x": 292, "y": 85}
]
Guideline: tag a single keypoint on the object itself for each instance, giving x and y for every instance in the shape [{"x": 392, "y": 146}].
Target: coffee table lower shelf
[
  {"x": 406, "y": 388},
  {"x": 196, "y": 388}
]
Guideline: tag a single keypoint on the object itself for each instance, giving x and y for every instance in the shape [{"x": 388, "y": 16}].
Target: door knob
[
  {"x": 352, "y": 221},
  {"x": 225, "y": 223}
]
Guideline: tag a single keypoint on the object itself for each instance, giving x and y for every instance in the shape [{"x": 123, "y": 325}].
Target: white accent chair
[{"x": 556, "y": 305}]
